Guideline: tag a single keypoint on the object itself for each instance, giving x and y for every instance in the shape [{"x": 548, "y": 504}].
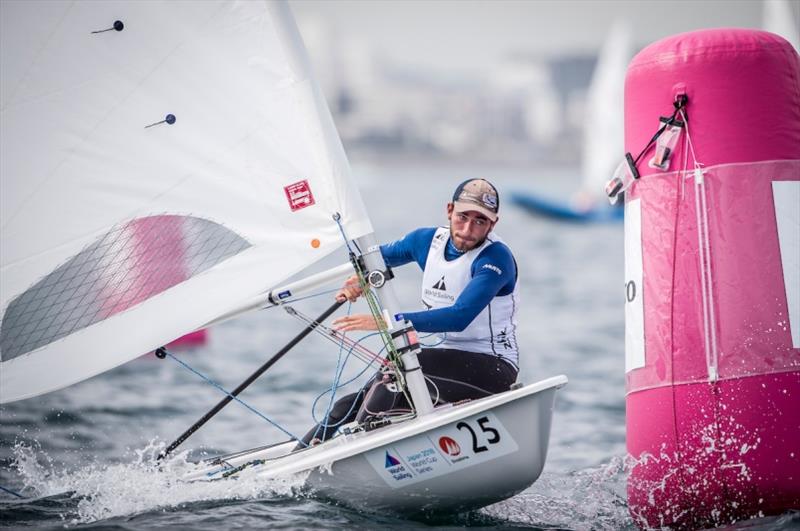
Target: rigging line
[
  {"x": 374, "y": 307},
  {"x": 348, "y": 382},
  {"x": 331, "y": 335},
  {"x": 441, "y": 337},
  {"x": 684, "y": 172},
  {"x": 324, "y": 423},
  {"x": 336, "y": 375},
  {"x": 337, "y": 217},
  {"x": 234, "y": 397},
  {"x": 438, "y": 394},
  {"x": 361, "y": 352}
]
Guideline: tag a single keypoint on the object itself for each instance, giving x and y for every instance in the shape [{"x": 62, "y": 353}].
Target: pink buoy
[{"x": 712, "y": 272}]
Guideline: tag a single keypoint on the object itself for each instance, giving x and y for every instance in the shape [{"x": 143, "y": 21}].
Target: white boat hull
[{"x": 454, "y": 459}]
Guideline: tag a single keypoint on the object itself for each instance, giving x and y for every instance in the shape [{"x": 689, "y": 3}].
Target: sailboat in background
[
  {"x": 602, "y": 139},
  {"x": 166, "y": 166}
]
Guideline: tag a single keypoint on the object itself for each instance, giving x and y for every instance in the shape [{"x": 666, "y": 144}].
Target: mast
[{"x": 400, "y": 329}]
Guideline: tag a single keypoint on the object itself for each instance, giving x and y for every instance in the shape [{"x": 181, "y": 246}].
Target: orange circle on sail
[{"x": 315, "y": 243}]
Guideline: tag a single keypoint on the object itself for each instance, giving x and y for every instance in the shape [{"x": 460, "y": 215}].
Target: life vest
[{"x": 493, "y": 331}]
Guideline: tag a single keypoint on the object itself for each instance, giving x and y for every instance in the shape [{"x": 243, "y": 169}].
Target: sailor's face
[{"x": 468, "y": 229}]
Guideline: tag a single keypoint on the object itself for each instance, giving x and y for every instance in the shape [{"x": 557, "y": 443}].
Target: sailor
[{"x": 469, "y": 289}]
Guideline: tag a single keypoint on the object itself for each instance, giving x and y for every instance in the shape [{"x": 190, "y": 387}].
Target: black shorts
[{"x": 451, "y": 375}]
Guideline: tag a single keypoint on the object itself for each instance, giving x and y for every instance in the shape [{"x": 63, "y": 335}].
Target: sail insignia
[{"x": 128, "y": 265}]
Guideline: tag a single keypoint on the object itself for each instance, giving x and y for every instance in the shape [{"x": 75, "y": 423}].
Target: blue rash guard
[{"x": 486, "y": 282}]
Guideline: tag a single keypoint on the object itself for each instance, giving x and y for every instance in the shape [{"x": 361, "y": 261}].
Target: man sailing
[{"x": 469, "y": 289}]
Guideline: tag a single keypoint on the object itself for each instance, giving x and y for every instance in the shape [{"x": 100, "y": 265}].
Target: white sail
[
  {"x": 603, "y": 127},
  {"x": 116, "y": 238},
  {"x": 779, "y": 19}
]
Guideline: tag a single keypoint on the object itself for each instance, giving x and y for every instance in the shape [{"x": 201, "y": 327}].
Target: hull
[{"x": 454, "y": 459}]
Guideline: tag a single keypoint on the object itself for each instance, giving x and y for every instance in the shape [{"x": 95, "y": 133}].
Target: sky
[{"x": 464, "y": 35}]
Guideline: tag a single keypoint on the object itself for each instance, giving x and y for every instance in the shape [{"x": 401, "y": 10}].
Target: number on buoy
[{"x": 630, "y": 290}]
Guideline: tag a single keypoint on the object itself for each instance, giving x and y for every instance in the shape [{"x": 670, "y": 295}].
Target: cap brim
[{"x": 465, "y": 206}]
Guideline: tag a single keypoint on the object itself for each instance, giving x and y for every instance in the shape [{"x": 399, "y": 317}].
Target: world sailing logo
[
  {"x": 395, "y": 468},
  {"x": 439, "y": 292},
  {"x": 391, "y": 460}
]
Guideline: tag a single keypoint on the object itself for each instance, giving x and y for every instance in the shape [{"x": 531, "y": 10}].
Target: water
[{"x": 83, "y": 456}]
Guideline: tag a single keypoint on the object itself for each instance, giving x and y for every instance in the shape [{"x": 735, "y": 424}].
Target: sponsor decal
[
  {"x": 449, "y": 446},
  {"x": 440, "y": 284},
  {"x": 463, "y": 444},
  {"x": 494, "y": 268},
  {"x": 299, "y": 195},
  {"x": 440, "y": 295},
  {"x": 395, "y": 468},
  {"x": 391, "y": 460},
  {"x": 504, "y": 339}
]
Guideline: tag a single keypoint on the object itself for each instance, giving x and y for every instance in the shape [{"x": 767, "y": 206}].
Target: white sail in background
[
  {"x": 116, "y": 237},
  {"x": 779, "y": 19},
  {"x": 603, "y": 130}
]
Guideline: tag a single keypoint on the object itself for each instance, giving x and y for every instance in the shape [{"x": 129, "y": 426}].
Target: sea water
[{"x": 85, "y": 456}]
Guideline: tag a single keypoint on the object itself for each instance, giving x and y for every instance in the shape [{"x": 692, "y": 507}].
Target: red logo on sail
[
  {"x": 299, "y": 195},
  {"x": 449, "y": 446}
]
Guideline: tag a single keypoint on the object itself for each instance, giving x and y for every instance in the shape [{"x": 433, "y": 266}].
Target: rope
[
  {"x": 359, "y": 351},
  {"x": 336, "y": 377},
  {"x": 678, "y": 104},
  {"x": 442, "y": 338},
  {"x": 242, "y": 402},
  {"x": 324, "y": 423},
  {"x": 338, "y": 219},
  {"x": 392, "y": 355}
]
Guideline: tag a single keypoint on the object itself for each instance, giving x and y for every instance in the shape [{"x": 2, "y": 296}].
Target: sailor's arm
[
  {"x": 413, "y": 247},
  {"x": 492, "y": 277},
  {"x": 494, "y": 273}
]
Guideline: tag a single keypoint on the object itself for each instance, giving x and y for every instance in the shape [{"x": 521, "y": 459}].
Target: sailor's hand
[
  {"x": 350, "y": 291},
  {"x": 349, "y": 323}
]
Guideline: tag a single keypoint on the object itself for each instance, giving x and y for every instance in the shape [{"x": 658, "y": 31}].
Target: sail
[
  {"x": 161, "y": 165},
  {"x": 603, "y": 127}
]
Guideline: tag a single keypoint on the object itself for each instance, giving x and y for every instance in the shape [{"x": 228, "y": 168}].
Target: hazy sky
[{"x": 462, "y": 34}]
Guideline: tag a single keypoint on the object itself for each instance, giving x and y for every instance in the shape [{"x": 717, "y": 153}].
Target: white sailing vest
[{"x": 493, "y": 331}]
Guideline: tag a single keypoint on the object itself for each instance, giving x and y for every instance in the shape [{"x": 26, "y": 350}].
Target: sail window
[{"x": 131, "y": 263}]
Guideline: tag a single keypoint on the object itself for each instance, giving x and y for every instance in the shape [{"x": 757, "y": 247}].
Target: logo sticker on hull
[
  {"x": 462, "y": 444},
  {"x": 391, "y": 461},
  {"x": 449, "y": 446}
]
